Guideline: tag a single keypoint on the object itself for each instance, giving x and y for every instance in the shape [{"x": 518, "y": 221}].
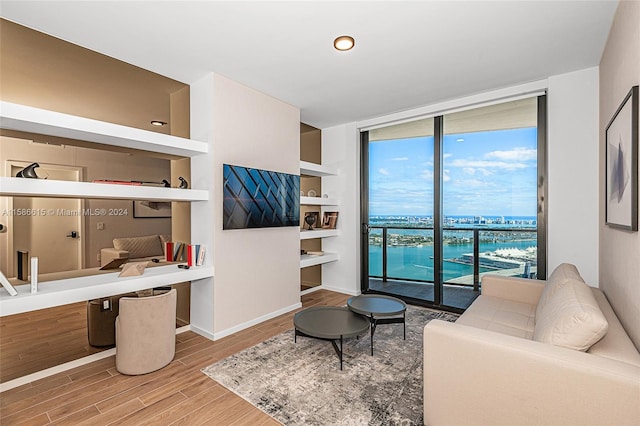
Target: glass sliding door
[
  {"x": 399, "y": 243},
  {"x": 489, "y": 198},
  {"x": 451, "y": 198}
]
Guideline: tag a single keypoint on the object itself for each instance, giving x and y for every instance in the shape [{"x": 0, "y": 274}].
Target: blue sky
[{"x": 485, "y": 173}]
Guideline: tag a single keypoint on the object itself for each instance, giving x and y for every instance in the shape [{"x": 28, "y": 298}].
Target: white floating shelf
[
  {"x": 313, "y": 169},
  {"x": 41, "y": 121},
  {"x": 319, "y": 201},
  {"x": 10, "y": 186},
  {"x": 72, "y": 290},
  {"x": 318, "y": 233},
  {"x": 307, "y": 260}
]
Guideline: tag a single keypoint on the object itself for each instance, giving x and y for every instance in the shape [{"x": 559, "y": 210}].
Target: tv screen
[{"x": 255, "y": 198}]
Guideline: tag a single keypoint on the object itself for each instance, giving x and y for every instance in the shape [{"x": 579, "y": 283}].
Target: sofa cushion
[
  {"x": 571, "y": 318},
  {"x": 559, "y": 276},
  {"x": 500, "y": 315},
  {"x": 140, "y": 246}
]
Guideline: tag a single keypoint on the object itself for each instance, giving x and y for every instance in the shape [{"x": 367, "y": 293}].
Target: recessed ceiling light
[
  {"x": 158, "y": 123},
  {"x": 344, "y": 43}
]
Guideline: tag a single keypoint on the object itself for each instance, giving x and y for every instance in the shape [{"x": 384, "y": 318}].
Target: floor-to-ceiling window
[{"x": 452, "y": 198}]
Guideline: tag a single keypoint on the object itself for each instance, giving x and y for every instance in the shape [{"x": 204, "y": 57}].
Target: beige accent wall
[
  {"x": 45, "y": 72},
  {"x": 620, "y": 250},
  {"x": 257, "y": 271}
]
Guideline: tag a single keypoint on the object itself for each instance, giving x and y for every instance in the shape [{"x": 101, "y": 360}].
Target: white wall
[
  {"x": 620, "y": 250},
  {"x": 339, "y": 150},
  {"x": 572, "y": 152},
  {"x": 257, "y": 271},
  {"x": 572, "y": 170}
]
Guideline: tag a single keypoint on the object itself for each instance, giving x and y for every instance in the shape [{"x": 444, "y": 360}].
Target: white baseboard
[
  {"x": 341, "y": 290},
  {"x": 66, "y": 366},
  {"x": 311, "y": 290},
  {"x": 240, "y": 327}
]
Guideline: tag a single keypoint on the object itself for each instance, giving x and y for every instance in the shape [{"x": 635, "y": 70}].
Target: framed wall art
[{"x": 621, "y": 136}]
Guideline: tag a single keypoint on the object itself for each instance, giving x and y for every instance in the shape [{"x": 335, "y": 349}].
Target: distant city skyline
[{"x": 484, "y": 174}]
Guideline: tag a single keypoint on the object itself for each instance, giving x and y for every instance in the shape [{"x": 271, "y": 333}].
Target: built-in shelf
[
  {"x": 307, "y": 260},
  {"x": 318, "y": 233},
  {"x": 318, "y": 201},
  {"x": 72, "y": 290},
  {"x": 10, "y": 186},
  {"x": 40, "y": 121},
  {"x": 313, "y": 169}
]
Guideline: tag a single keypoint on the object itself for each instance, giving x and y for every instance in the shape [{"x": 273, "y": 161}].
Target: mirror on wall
[{"x": 66, "y": 233}]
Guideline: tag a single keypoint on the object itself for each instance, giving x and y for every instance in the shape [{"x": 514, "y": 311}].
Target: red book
[
  {"x": 169, "y": 251},
  {"x": 191, "y": 252}
]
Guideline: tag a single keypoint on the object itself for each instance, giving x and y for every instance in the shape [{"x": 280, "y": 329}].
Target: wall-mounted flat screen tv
[{"x": 255, "y": 198}]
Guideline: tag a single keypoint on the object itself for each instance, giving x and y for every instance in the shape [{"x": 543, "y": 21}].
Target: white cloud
[
  {"x": 400, "y": 159},
  {"x": 447, "y": 155},
  {"x": 445, "y": 175},
  {"x": 516, "y": 154},
  {"x": 469, "y": 171},
  {"x": 487, "y": 164},
  {"x": 384, "y": 172},
  {"x": 427, "y": 174}
]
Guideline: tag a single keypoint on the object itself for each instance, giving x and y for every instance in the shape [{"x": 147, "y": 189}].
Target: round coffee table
[
  {"x": 330, "y": 323},
  {"x": 379, "y": 309}
]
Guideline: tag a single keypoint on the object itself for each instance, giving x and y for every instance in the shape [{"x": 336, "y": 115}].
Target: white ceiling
[{"x": 407, "y": 54}]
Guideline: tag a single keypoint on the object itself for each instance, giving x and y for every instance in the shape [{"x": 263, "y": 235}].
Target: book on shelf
[
  {"x": 168, "y": 250},
  {"x": 192, "y": 254},
  {"x": 200, "y": 255},
  {"x": 178, "y": 251}
]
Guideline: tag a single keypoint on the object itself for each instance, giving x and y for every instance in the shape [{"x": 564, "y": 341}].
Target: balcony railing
[{"x": 406, "y": 253}]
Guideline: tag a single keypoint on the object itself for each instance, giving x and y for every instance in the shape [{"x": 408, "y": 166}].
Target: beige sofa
[
  {"x": 137, "y": 249},
  {"x": 530, "y": 352}
]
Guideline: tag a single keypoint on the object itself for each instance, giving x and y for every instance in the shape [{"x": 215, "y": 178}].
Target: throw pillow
[
  {"x": 571, "y": 318},
  {"x": 559, "y": 276}
]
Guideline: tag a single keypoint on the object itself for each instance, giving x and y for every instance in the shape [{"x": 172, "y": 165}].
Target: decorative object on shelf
[
  {"x": 315, "y": 253},
  {"x": 133, "y": 269},
  {"x": 34, "y": 274},
  {"x": 151, "y": 209},
  {"x": 301, "y": 193},
  {"x": 23, "y": 264},
  {"x": 303, "y": 252},
  {"x": 166, "y": 183},
  {"x": 329, "y": 220},
  {"x": 325, "y": 195},
  {"x": 183, "y": 183},
  {"x": 29, "y": 171},
  {"x": 621, "y": 209},
  {"x": 311, "y": 193},
  {"x": 310, "y": 218},
  {"x": 7, "y": 285}
]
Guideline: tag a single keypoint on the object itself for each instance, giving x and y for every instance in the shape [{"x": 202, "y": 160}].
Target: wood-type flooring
[{"x": 96, "y": 394}]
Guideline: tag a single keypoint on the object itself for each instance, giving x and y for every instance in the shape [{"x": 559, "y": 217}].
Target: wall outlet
[{"x": 100, "y": 226}]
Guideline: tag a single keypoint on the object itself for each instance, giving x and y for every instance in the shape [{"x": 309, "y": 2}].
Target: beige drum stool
[{"x": 146, "y": 333}]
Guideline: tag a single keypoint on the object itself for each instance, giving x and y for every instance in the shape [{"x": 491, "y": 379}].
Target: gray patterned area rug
[{"x": 301, "y": 383}]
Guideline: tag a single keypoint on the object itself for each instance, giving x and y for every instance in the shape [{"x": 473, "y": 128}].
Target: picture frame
[
  {"x": 621, "y": 168},
  {"x": 329, "y": 220},
  {"x": 151, "y": 209},
  {"x": 316, "y": 220}
]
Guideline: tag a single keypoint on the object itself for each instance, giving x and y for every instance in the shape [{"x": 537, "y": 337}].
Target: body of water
[{"x": 416, "y": 262}]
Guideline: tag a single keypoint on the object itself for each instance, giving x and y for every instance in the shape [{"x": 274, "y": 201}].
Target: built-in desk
[{"x": 62, "y": 288}]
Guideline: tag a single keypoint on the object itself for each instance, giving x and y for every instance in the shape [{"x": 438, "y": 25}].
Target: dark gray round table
[
  {"x": 380, "y": 309},
  {"x": 329, "y": 323}
]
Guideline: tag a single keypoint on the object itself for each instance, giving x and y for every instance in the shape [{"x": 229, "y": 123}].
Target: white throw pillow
[
  {"x": 571, "y": 318},
  {"x": 559, "y": 276}
]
